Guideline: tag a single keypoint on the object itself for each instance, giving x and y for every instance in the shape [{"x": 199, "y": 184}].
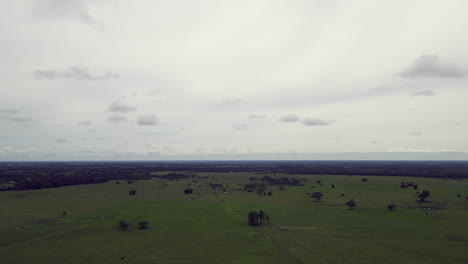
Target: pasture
[{"x": 78, "y": 224}]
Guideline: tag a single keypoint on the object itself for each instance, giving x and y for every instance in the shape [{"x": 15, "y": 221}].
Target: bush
[
  {"x": 123, "y": 225},
  {"x": 188, "y": 191},
  {"x": 316, "y": 195},
  {"x": 132, "y": 192},
  {"x": 143, "y": 225},
  {"x": 351, "y": 203},
  {"x": 391, "y": 207}
]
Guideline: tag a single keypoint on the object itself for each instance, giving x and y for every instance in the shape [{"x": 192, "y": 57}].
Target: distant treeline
[{"x": 38, "y": 175}]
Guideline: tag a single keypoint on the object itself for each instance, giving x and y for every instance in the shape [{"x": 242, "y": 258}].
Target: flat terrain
[{"x": 210, "y": 226}]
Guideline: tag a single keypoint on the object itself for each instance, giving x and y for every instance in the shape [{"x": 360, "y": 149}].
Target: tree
[
  {"x": 188, "y": 191},
  {"x": 270, "y": 193},
  {"x": 415, "y": 186},
  {"x": 253, "y": 218},
  {"x": 364, "y": 179},
  {"x": 391, "y": 207},
  {"x": 122, "y": 225},
  {"x": 143, "y": 225},
  {"x": 424, "y": 195},
  {"x": 333, "y": 186},
  {"x": 351, "y": 204},
  {"x": 132, "y": 192},
  {"x": 257, "y": 218},
  {"x": 317, "y": 196}
]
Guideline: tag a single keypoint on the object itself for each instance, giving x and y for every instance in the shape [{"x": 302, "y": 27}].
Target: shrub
[
  {"x": 143, "y": 225},
  {"x": 391, "y": 207},
  {"x": 351, "y": 203},
  {"x": 123, "y": 225}
]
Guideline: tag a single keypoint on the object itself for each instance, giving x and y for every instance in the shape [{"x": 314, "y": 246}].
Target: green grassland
[{"x": 211, "y": 226}]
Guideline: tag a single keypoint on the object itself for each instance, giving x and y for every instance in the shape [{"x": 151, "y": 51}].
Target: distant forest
[{"x": 39, "y": 175}]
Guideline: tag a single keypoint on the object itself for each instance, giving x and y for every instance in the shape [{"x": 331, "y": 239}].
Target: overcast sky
[{"x": 115, "y": 79}]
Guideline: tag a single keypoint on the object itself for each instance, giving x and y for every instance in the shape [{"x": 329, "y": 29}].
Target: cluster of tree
[
  {"x": 408, "y": 184},
  {"x": 31, "y": 176},
  {"x": 215, "y": 186},
  {"x": 316, "y": 195},
  {"x": 257, "y": 218},
  {"x": 132, "y": 192},
  {"x": 123, "y": 225},
  {"x": 250, "y": 187},
  {"x": 424, "y": 195},
  {"x": 38, "y": 175},
  {"x": 283, "y": 181},
  {"x": 175, "y": 176},
  {"x": 188, "y": 191}
]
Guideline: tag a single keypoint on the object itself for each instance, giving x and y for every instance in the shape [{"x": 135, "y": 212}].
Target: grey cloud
[
  {"x": 289, "y": 118},
  {"x": 257, "y": 116},
  {"x": 429, "y": 66},
  {"x": 314, "y": 122},
  {"x": 60, "y": 140},
  {"x": 416, "y": 133},
  {"x": 85, "y": 123},
  {"x": 147, "y": 120},
  {"x": 240, "y": 126},
  {"x": 16, "y": 119},
  {"x": 63, "y": 9},
  {"x": 120, "y": 107},
  {"x": 8, "y": 111},
  {"x": 424, "y": 93},
  {"x": 117, "y": 119},
  {"x": 73, "y": 72}
]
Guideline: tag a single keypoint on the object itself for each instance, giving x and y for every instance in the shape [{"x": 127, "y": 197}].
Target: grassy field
[{"x": 211, "y": 226}]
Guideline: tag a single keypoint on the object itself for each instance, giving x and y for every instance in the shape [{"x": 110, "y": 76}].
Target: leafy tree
[
  {"x": 364, "y": 179},
  {"x": 391, "y": 207},
  {"x": 415, "y": 186},
  {"x": 424, "y": 195},
  {"x": 123, "y": 225},
  {"x": 143, "y": 225},
  {"x": 132, "y": 192},
  {"x": 270, "y": 193},
  {"x": 333, "y": 186},
  {"x": 351, "y": 204},
  {"x": 342, "y": 194},
  {"x": 316, "y": 195},
  {"x": 257, "y": 218},
  {"x": 188, "y": 191}
]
